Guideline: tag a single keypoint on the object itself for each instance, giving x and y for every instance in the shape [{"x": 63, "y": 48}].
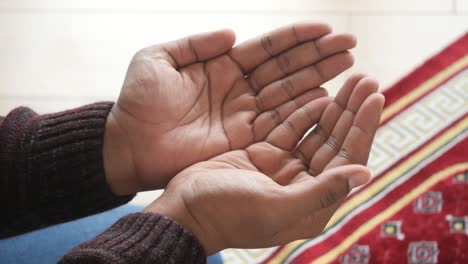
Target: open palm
[
  {"x": 282, "y": 188},
  {"x": 189, "y": 100}
]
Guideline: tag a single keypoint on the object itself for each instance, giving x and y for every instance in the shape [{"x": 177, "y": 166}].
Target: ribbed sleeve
[
  {"x": 140, "y": 238},
  {"x": 51, "y": 168}
]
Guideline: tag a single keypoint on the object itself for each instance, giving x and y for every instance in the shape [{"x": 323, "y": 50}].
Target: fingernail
[{"x": 358, "y": 180}]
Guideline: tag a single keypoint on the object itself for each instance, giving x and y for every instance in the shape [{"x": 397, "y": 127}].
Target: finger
[
  {"x": 254, "y": 52},
  {"x": 267, "y": 121},
  {"x": 333, "y": 145},
  {"x": 329, "y": 118},
  {"x": 196, "y": 48},
  {"x": 284, "y": 90},
  {"x": 314, "y": 201},
  {"x": 287, "y": 135},
  {"x": 358, "y": 141},
  {"x": 299, "y": 57}
]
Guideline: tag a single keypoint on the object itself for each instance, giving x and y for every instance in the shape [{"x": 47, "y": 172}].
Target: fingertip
[
  {"x": 226, "y": 35},
  {"x": 323, "y": 102},
  {"x": 322, "y": 25},
  {"x": 307, "y": 30},
  {"x": 362, "y": 93},
  {"x": 327, "y": 27},
  {"x": 230, "y": 35},
  {"x": 355, "y": 77},
  {"x": 377, "y": 98},
  {"x": 352, "y": 40},
  {"x": 349, "y": 59},
  {"x": 339, "y": 62},
  {"x": 349, "y": 40},
  {"x": 358, "y": 176},
  {"x": 319, "y": 104},
  {"x": 346, "y": 90},
  {"x": 208, "y": 45},
  {"x": 322, "y": 91},
  {"x": 315, "y": 94},
  {"x": 380, "y": 97},
  {"x": 380, "y": 100},
  {"x": 326, "y": 102},
  {"x": 370, "y": 82},
  {"x": 328, "y": 99}
]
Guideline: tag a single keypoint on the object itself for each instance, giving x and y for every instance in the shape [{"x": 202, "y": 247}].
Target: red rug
[{"x": 415, "y": 210}]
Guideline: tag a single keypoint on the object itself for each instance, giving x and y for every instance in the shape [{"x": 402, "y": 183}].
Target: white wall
[{"x": 57, "y": 54}]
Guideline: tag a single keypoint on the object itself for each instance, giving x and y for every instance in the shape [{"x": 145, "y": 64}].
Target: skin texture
[
  {"x": 189, "y": 100},
  {"x": 285, "y": 187}
]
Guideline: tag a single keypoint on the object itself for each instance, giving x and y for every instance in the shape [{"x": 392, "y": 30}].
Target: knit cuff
[
  {"x": 54, "y": 167},
  {"x": 140, "y": 238}
]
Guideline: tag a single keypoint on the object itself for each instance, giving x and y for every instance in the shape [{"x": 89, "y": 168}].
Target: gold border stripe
[
  {"x": 285, "y": 251},
  {"x": 424, "y": 87},
  {"x": 393, "y": 209}
]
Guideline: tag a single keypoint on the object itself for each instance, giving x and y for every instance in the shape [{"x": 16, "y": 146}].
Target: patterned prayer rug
[{"x": 415, "y": 210}]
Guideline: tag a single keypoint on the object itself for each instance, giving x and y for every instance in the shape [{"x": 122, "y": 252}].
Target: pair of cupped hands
[{"x": 225, "y": 131}]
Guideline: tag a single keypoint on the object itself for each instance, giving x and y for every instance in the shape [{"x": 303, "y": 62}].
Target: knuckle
[
  {"x": 344, "y": 153},
  {"x": 283, "y": 62},
  {"x": 307, "y": 113},
  {"x": 318, "y": 72},
  {"x": 300, "y": 154},
  {"x": 361, "y": 130},
  {"x": 316, "y": 48},
  {"x": 253, "y": 84},
  {"x": 339, "y": 105},
  {"x": 288, "y": 125},
  {"x": 333, "y": 144},
  {"x": 259, "y": 104},
  {"x": 275, "y": 116},
  {"x": 320, "y": 131},
  {"x": 288, "y": 88},
  {"x": 350, "y": 111},
  {"x": 267, "y": 44}
]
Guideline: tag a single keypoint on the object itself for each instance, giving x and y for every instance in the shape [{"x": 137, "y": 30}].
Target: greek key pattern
[{"x": 419, "y": 123}]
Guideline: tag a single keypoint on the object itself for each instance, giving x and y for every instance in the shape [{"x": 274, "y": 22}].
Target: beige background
[{"x": 57, "y": 54}]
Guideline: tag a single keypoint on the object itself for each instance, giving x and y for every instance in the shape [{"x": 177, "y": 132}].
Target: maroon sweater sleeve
[
  {"x": 51, "y": 171},
  {"x": 51, "y": 168},
  {"x": 140, "y": 238}
]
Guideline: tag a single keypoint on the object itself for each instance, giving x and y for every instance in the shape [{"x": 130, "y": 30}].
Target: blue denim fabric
[{"x": 49, "y": 244}]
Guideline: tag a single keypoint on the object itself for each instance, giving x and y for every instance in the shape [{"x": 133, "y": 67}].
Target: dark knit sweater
[{"x": 51, "y": 171}]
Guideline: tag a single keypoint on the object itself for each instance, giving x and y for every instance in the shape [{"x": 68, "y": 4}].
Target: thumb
[
  {"x": 197, "y": 47},
  {"x": 327, "y": 189}
]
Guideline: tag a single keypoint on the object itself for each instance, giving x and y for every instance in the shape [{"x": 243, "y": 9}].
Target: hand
[
  {"x": 277, "y": 191},
  {"x": 189, "y": 100}
]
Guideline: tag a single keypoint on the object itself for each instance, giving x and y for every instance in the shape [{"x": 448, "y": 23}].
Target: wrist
[
  {"x": 118, "y": 161},
  {"x": 175, "y": 209}
]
